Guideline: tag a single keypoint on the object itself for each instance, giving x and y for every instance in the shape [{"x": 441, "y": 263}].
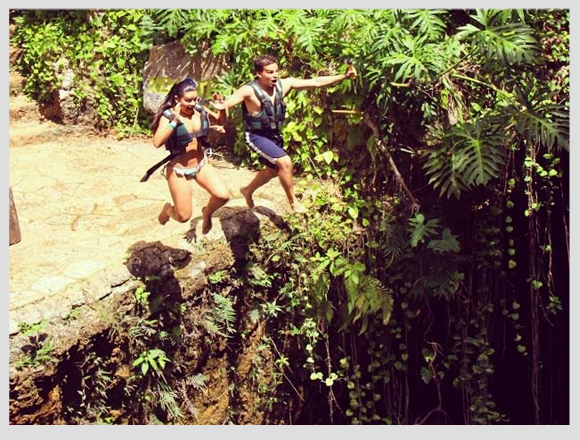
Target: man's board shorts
[{"x": 269, "y": 145}]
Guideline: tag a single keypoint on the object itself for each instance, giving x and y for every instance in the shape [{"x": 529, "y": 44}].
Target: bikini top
[{"x": 181, "y": 136}]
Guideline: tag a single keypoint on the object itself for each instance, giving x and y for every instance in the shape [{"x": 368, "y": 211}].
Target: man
[{"x": 264, "y": 112}]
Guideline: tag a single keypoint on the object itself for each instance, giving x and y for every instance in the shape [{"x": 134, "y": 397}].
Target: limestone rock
[
  {"x": 170, "y": 63},
  {"x": 64, "y": 107}
]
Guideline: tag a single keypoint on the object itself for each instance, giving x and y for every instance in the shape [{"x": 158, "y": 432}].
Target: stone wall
[{"x": 48, "y": 392}]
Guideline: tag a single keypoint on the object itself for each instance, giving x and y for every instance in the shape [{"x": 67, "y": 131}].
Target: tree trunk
[{"x": 15, "y": 236}]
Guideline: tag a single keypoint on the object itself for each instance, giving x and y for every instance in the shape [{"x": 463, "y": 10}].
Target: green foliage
[
  {"x": 104, "y": 50},
  {"x": 224, "y": 312},
  {"x": 421, "y": 230},
  {"x": 498, "y": 39},
  {"x": 470, "y": 104},
  {"x": 366, "y": 297},
  {"x": 141, "y": 295},
  {"x": 543, "y": 124},
  {"x": 154, "y": 358},
  {"x": 470, "y": 155},
  {"x": 199, "y": 381},
  {"x": 38, "y": 351}
]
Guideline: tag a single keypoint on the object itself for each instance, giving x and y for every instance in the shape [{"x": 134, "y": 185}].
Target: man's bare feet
[
  {"x": 248, "y": 196},
  {"x": 298, "y": 208},
  {"x": 163, "y": 216},
  {"x": 206, "y": 226}
]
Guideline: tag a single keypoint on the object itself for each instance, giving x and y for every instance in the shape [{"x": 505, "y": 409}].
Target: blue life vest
[
  {"x": 271, "y": 117},
  {"x": 181, "y": 137}
]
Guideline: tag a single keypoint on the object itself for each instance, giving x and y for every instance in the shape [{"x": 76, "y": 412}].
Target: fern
[
  {"x": 155, "y": 420},
  {"x": 224, "y": 312},
  {"x": 199, "y": 381},
  {"x": 394, "y": 240},
  {"x": 168, "y": 402},
  {"x": 369, "y": 297},
  {"x": 211, "y": 327}
]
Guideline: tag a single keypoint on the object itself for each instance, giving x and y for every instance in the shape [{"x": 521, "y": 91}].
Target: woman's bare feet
[
  {"x": 248, "y": 196},
  {"x": 163, "y": 216},
  {"x": 206, "y": 226}
]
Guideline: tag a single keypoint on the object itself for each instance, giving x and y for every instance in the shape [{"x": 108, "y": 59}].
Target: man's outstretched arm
[
  {"x": 321, "y": 81},
  {"x": 236, "y": 98}
]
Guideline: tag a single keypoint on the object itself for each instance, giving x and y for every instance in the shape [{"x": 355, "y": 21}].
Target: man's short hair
[{"x": 262, "y": 61}]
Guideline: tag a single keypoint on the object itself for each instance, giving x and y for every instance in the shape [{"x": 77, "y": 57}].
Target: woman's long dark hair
[{"x": 179, "y": 89}]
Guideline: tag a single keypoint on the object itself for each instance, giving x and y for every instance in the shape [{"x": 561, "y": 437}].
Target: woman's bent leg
[{"x": 180, "y": 190}]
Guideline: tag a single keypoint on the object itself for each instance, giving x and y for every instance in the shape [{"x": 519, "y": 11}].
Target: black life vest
[
  {"x": 271, "y": 117},
  {"x": 181, "y": 137}
]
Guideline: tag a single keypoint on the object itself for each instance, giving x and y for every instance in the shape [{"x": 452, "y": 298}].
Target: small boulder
[{"x": 170, "y": 63}]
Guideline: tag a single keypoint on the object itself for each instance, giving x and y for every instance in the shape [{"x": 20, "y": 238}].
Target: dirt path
[{"x": 81, "y": 206}]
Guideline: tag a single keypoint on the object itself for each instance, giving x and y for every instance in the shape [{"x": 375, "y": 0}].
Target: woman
[{"x": 182, "y": 124}]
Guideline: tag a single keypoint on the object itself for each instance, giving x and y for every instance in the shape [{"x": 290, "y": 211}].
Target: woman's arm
[
  {"x": 217, "y": 120},
  {"x": 165, "y": 128}
]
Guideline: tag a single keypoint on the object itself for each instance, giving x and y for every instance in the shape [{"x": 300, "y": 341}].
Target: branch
[
  {"x": 467, "y": 55},
  {"x": 491, "y": 86},
  {"x": 414, "y": 204},
  {"x": 284, "y": 374}
]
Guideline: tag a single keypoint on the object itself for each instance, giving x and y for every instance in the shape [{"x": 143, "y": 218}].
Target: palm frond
[
  {"x": 172, "y": 20},
  {"x": 546, "y": 125},
  {"x": 428, "y": 22},
  {"x": 416, "y": 60},
  {"x": 469, "y": 155},
  {"x": 507, "y": 43}
]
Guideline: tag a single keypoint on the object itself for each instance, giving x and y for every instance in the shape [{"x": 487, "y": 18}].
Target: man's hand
[
  {"x": 218, "y": 102},
  {"x": 218, "y": 128},
  {"x": 350, "y": 72}
]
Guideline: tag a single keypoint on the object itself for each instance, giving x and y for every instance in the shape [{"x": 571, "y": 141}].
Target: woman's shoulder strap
[{"x": 168, "y": 114}]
